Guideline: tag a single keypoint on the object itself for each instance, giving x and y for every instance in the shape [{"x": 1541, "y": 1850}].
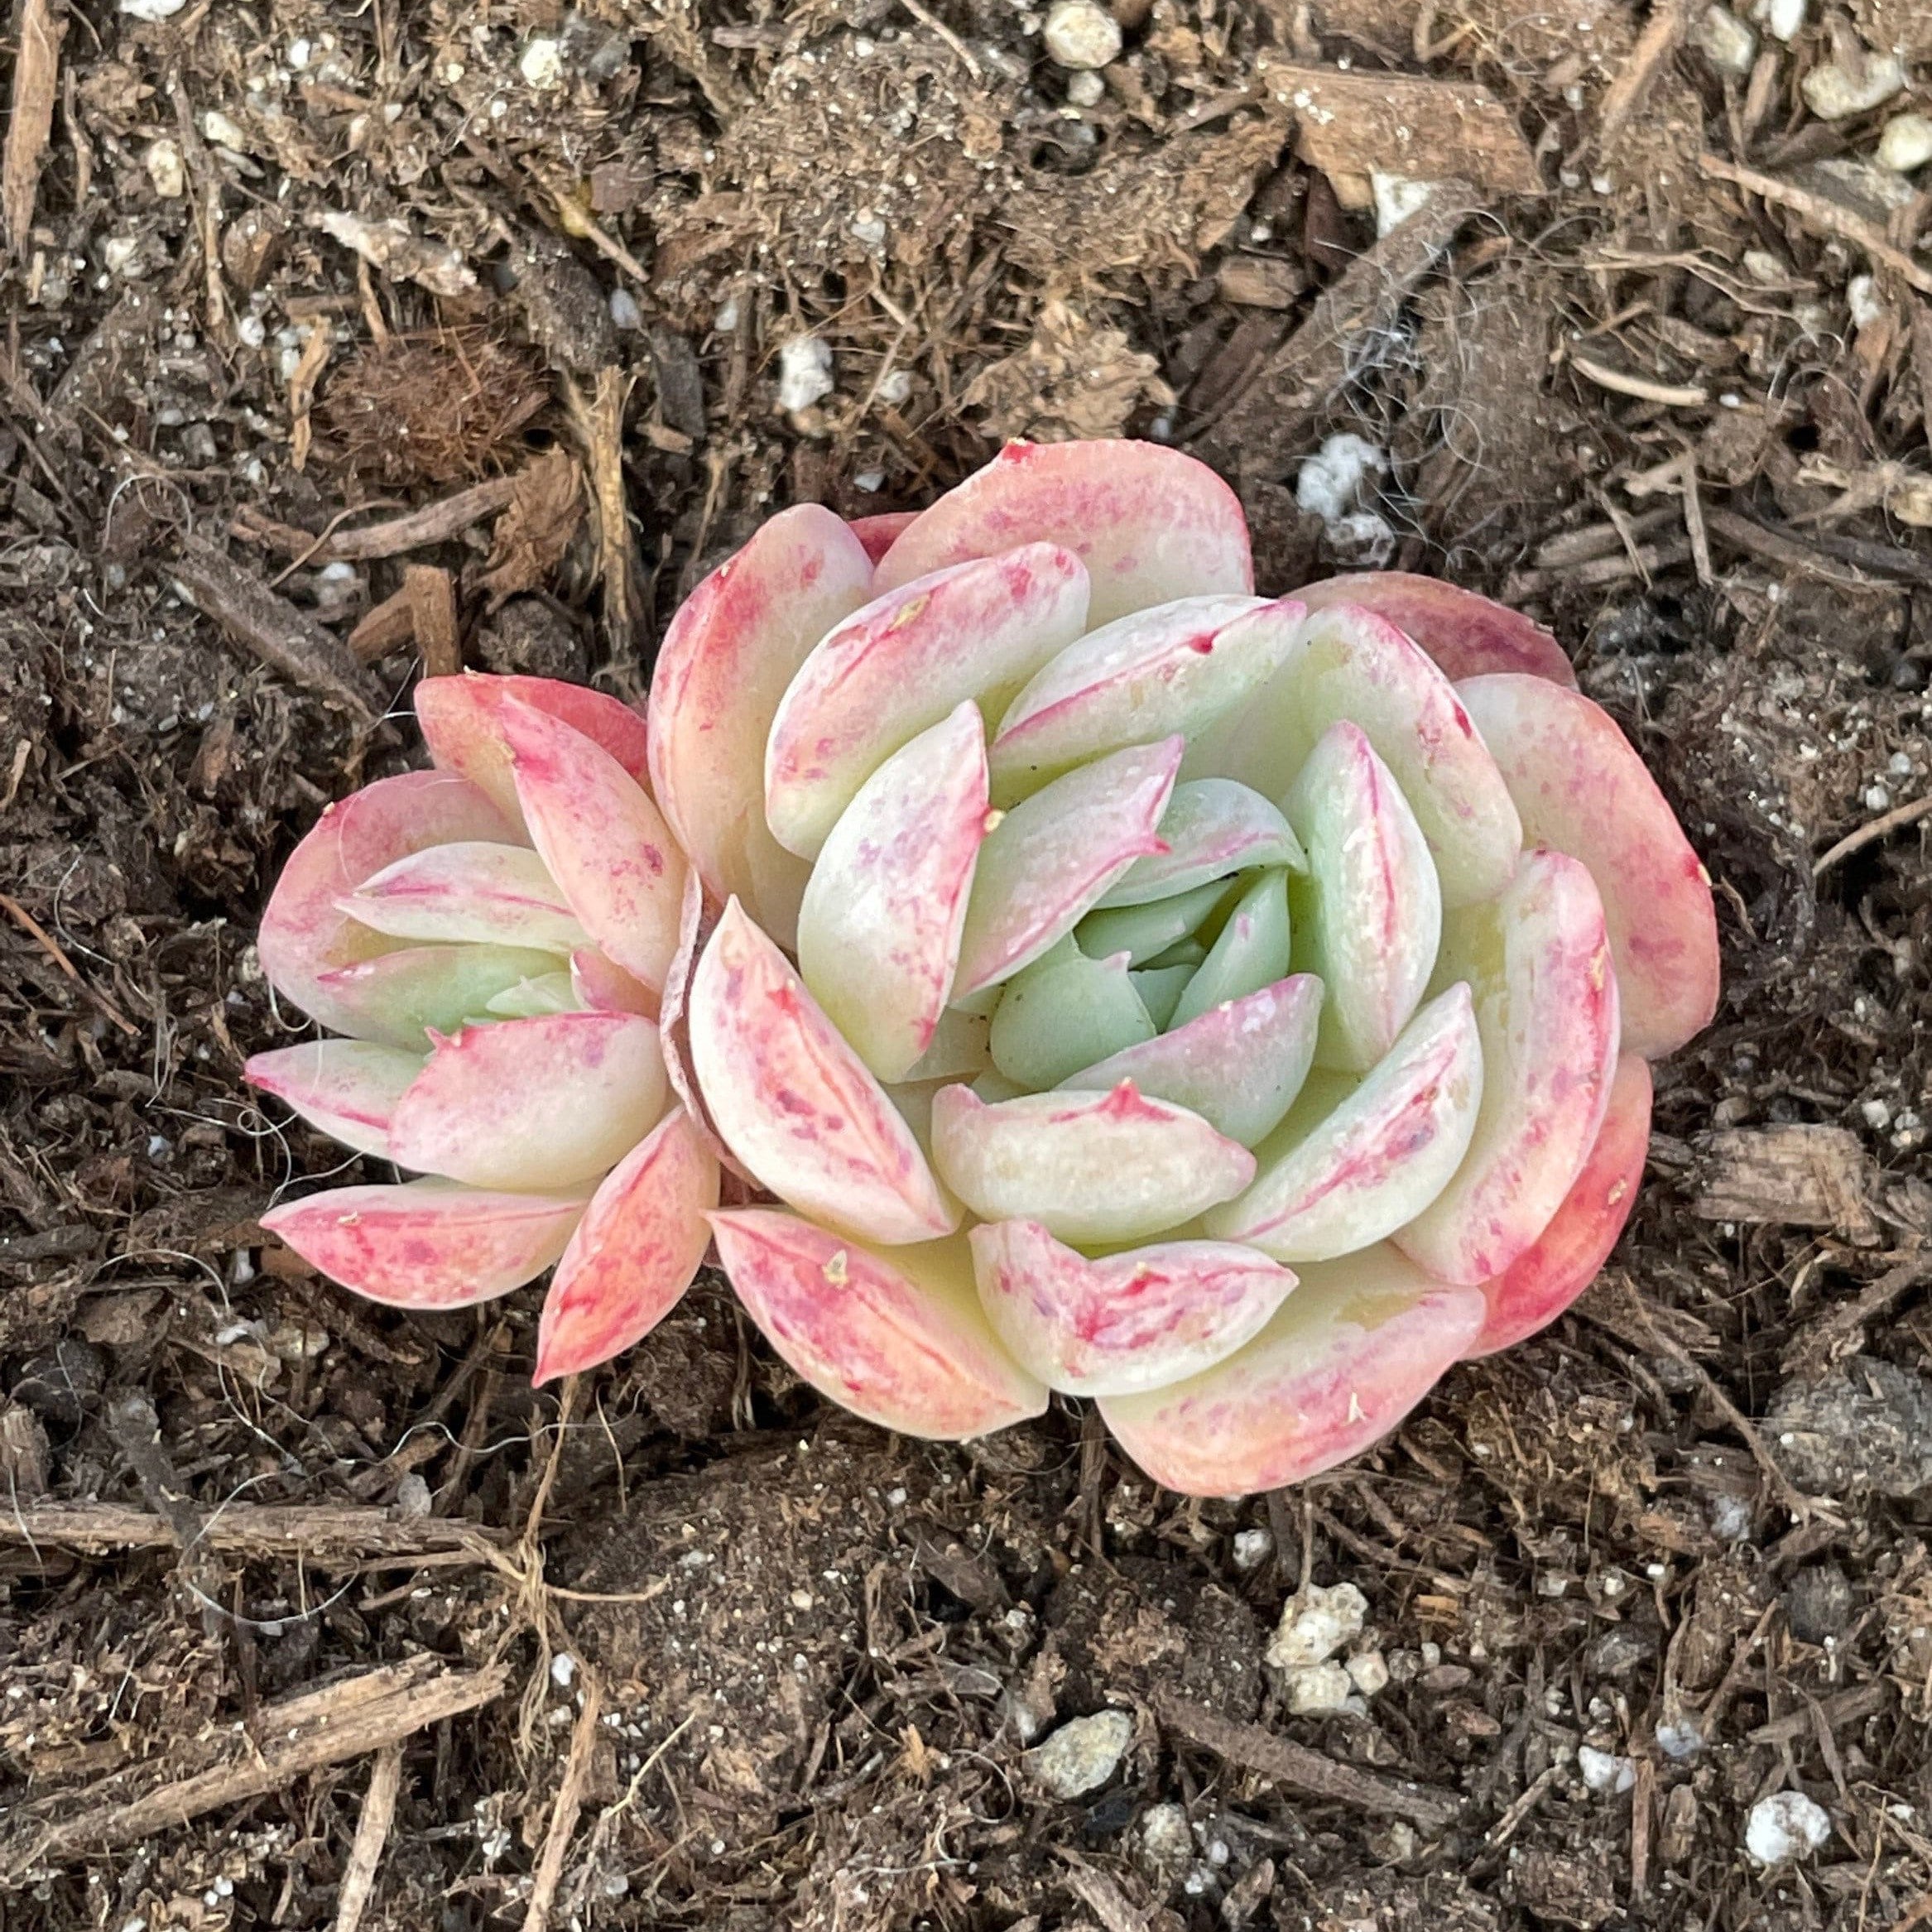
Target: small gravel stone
[
  {"x": 1833, "y": 93},
  {"x": 805, "y": 373},
  {"x": 1785, "y": 1827},
  {"x": 1079, "y": 34},
  {"x": 164, "y": 169},
  {"x": 1368, "y": 1671},
  {"x": 1907, "y": 143},
  {"x": 1726, "y": 42},
  {"x": 1318, "y": 1688},
  {"x": 1315, "y": 1625},
  {"x": 1603, "y": 1771},
  {"x": 1085, "y": 88},
  {"x": 1082, "y": 1754}
]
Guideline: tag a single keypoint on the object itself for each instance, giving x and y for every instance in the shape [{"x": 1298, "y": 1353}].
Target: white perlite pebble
[
  {"x": 1603, "y": 1771},
  {"x": 1833, "y": 93},
  {"x": 1078, "y": 34},
  {"x": 153, "y": 9},
  {"x": 1784, "y": 1826},
  {"x": 1085, "y": 88},
  {"x": 1318, "y": 1688},
  {"x": 1726, "y": 42},
  {"x": 1315, "y": 1625},
  {"x": 1907, "y": 143},
  {"x": 805, "y": 373},
  {"x": 1396, "y": 198},
  {"x": 1253, "y": 1548},
  {"x": 163, "y": 160},
  {"x": 1782, "y": 19},
  {"x": 542, "y": 64},
  {"x": 1082, "y": 1754},
  {"x": 1368, "y": 1671}
]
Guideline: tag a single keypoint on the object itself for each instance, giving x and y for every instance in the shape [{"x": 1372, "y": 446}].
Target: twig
[
  {"x": 1821, "y": 217},
  {"x": 1655, "y": 46},
  {"x": 1693, "y": 522},
  {"x": 1881, "y": 827},
  {"x": 929, "y": 20},
  {"x": 1620, "y": 382},
  {"x": 1302, "y": 1770},
  {"x": 1773, "y": 546},
  {"x": 365, "y": 1854},
  {"x": 36, "y": 82},
  {"x": 434, "y": 523},
  {"x": 48, "y": 944},
  {"x": 387, "y": 627},
  {"x": 323, "y": 1534},
  {"x": 287, "y": 639},
  {"x": 432, "y": 605},
  {"x": 598, "y": 420},
  {"x": 571, "y": 1790}
]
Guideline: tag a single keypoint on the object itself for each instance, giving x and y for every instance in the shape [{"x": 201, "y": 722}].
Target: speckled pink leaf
[
  {"x": 398, "y": 997},
  {"x": 1350, "y": 664},
  {"x": 1089, "y": 1167},
  {"x": 304, "y": 932},
  {"x": 605, "y": 843},
  {"x": 497, "y": 894},
  {"x": 906, "y": 661},
  {"x": 733, "y": 646},
  {"x": 1467, "y": 635},
  {"x": 604, "y": 986},
  {"x": 428, "y": 1243},
  {"x": 1045, "y": 862},
  {"x": 897, "y": 1337},
  {"x": 462, "y": 724},
  {"x": 1537, "y": 959},
  {"x": 1126, "y": 1322},
  {"x": 1348, "y": 1354},
  {"x": 877, "y": 534},
  {"x": 1150, "y": 524},
  {"x": 347, "y": 1087},
  {"x": 539, "y": 1103},
  {"x": 1581, "y": 787},
  {"x": 1352, "y": 1164},
  {"x": 1564, "y": 1259},
  {"x": 878, "y": 932},
  {"x": 634, "y": 1252},
  {"x": 1212, "y": 828},
  {"x": 794, "y": 1103}
]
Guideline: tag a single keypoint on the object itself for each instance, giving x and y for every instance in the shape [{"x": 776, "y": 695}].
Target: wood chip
[
  {"x": 365, "y": 1853},
  {"x": 327, "y": 1534},
  {"x": 1793, "y": 1176},
  {"x": 1822, "y": 216},
  {"x": 36, "y": 69},
  {"x": 1262, "y": 282},
  {"x": 387, "y": 627},
  {"x": 1662, "y": 31},
  {"x": 571, "y": 1791},
  {"x": 537, "y": 530},
  {"x": 432, "y": 608},
  {"x": 1417, "y": 129}
]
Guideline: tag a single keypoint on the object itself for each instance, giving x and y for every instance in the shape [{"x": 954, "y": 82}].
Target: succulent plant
[
  {"x": 492, "y": 936},
  {"x": 1235, "y": 1010}
]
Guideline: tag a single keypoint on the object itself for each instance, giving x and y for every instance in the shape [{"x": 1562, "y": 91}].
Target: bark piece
[{"x": 1789, "y": 1177}]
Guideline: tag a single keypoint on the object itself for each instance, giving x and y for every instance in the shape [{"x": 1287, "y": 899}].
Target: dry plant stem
[
  {"x": 434, "y": 523},
  {"x": 347, "y": 1719},
  {"x": 1655, "y": 46},
  {"x": 387, "y": 627},
  {"x": 1255, "y": 1749},
  {"x": 1772, "y": 546},
  {"x": 1621, "y": 382},
  {"x": 41, "y": 938},
  {"x": 365, "y": 1853},
  {"x": 319, "y": 1533},
  {"x": 287, "y": 639},
  {"x": 35, "y": 84},
  {"x": 571, "y": 1791},
  {"x": 598, "y": 420},
  {"x": 1821, "y": 217},
  {"x": 1881, "y": 827}
]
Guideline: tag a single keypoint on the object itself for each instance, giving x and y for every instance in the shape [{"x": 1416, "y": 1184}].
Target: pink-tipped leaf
[
  {"x": 1212, "y": 828},
  {"x": 495, "y": 895},
  {"x": 347, "y": 1087},
  {"x": 1467, "y": 635}
]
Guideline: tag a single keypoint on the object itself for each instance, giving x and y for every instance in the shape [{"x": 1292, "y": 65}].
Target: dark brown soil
[{"x": 697, "y": 1651}]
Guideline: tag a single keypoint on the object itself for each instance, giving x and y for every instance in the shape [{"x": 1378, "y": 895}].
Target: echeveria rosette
[
  {"x": 1234, "y": 1010},
  {"x": 492, "y": 938}
]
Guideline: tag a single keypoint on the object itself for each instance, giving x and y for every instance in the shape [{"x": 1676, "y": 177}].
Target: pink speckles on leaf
[
  {"x": 1564, "y": 1259},
  {"x": 896, "y": 1335},
  {"x": 497, "y": 894},
  {"x": 794, "y": 1103},
  {"x": 725, "y": 662},
  {"x": 1581, "y": 788},
  {"x": 1088, "y": 1167},
  {"x": 541, "y": 1102},
  {"x": 634, "y": 1252},
  {"x": 428, "y": 1243},
  {"x": 1538, "y": 959},
  {"x": 603, "y": 841},
  {"x": 906, "y": 661},
  {"x": 1151, "y": 524},
  {"x": 1465, "y": 634},
  {"x": 1348, "y": 1355},
  {"x": 1126, "y": 1322},
  {"x": 878, "y": 934},
  {"x": 347, "y": 1087}
]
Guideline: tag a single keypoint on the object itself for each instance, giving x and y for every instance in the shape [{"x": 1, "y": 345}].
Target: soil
[{"x": 315, "y": 1615}]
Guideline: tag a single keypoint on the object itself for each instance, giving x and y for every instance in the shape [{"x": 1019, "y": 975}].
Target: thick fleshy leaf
[
  {"x": 1347, "y": 1356},
  {"x": 906, "y": 661},
  {"x": 1064, "y": 1011},
  {"x": 1564, "y": 1259},
  {"x": 1146, "y": 932},
  {"x": 1088, "y": 1167},
  {"x": 1467, "y": 635},
  {"x": 1347, "y": 1168},
  {"x": 1581, "y": 788},
  {"x": 634, "y": 1252},
  {"x": 1239, "y": 1066},
  {"x": 1151, "y": 524},
  {"x": 796, "y": 1104},
  {"x": 604, "y": 986},
  {"x": 1369, "y": 914},
  {"x": 545, "y": 992},
  {"x": 495, "y": 895},
  {"x": 1251, "y": 951},
  {"x": 347, "y": 1087},
  {"x": 1177, "y": 667},
  {"x": 1125, "y": 1323},
  {"x": 1537, "y": 959},
  {"x": 878, "y": 932},
  {"x": 898, "y": 1337},
  {"x": 605, "y": 843},
  {"x": 542, "y": 1103},
  {"x": 1044, "y": 862},
  {"x": 1349, "y": 664},
  {"x": 877, "y": 534},
  {"x": 400, "y": 997},
  {"x": 960, "y": 1047},
  {"x": 428, "y": 1243},
  {"x": 1212, "y": 827},
  {"x": 462, "y": 723},
  {"x": 304, "y": 934},
  {"x": 733, "y": 646},
  {"x": 1161, "y": 989},
  {"x": 697, "y": 919}
]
